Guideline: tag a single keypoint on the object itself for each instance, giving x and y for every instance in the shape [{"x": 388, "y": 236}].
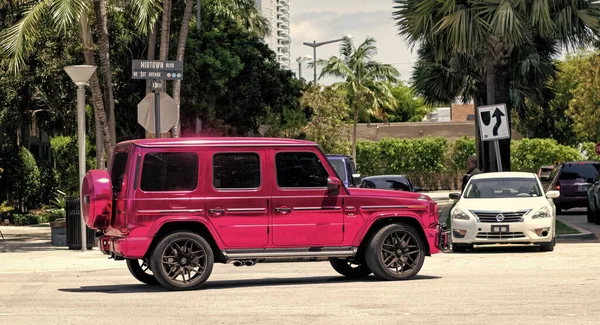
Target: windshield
[
  {"x": 339, "y": 167},
  {"x": 489, "y": 188}
]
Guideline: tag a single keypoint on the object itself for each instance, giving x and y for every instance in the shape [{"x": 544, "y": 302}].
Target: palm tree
[
  {"x": 496, "y": 28},
  {"x": 245, "y": 12},
  {"x": 73, "y": 14},
  {"x": 365, "y": 80}
]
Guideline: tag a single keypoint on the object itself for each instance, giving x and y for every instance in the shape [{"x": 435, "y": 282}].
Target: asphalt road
[{"x": 517, "y": 285}]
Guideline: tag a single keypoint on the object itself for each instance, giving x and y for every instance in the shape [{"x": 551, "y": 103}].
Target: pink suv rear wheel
[
  {"x": 140, "y": 269},
  {"x": 350, "y": 269},
  {"x": 395, "y": 252},
  {"x": 182, "y": 261}
]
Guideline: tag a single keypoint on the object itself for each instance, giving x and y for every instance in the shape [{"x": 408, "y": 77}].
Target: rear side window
[
  {"x": 397, "y": 183},
  {"x": 118, "y": 168},
  {"x": 169, "y": 171},
  {"x": 579, "y": 171},
  {"x": 236, "y": 170},
  {"x": 339, "y": 167},
  {"x": 300, "y": 170}
]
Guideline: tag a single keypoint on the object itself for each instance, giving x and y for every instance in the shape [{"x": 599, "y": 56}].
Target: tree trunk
[
  {"x": 151, "y": 52},
  {"x": 185, "y": 27},
  {"x": 503, "y": 96},
  {"x": 490, "y": 87},
  {"x": 354, "y": 133},
  {"x": 164, "y": 34},
  {"x": 102, "y": 26},
  {"x": 97, "y": 100}
]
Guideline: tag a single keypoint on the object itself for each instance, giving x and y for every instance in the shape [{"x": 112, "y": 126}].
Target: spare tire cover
[{"x": 96, "y": 199}]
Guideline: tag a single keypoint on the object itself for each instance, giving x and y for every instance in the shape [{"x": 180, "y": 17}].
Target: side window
[
  {"x": 236, "y": 170},
  {"x": 169, "y": 171},
  {"x": 300, "y": 169},
  {"x": 118, "y": 168}
]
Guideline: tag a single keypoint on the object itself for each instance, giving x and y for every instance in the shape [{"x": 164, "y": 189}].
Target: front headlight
[
  {"x": 459, "y": 214},
  {"x": 542, "y": 213}
]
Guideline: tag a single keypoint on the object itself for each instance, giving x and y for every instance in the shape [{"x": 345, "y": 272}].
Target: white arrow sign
[{"x": 493, "y": 122}]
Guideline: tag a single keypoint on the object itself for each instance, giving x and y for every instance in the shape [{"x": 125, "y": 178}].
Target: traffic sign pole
[
  {"x": 157, "y": 86},
  {"x": 498, "y": 158}
]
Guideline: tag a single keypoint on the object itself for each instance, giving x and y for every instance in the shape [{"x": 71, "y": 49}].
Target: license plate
[
  {"x": 500, "y": 228},
  {"x": 582, "y": 188}
]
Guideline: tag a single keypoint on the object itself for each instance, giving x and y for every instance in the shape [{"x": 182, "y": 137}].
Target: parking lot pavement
[
  {"x": 577, "y": 218},
  {"x": 491, "y": 285}
]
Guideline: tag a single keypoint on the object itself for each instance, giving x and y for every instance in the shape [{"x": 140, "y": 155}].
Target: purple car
[{"x": 573, "y": 179}]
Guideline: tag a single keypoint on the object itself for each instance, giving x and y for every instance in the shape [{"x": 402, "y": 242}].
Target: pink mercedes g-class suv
[{"x": 173, "y": 207}]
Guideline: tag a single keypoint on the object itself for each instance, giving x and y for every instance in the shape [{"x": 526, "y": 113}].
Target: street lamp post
[
  {"x": 81, "y": 74},
  {"x": 301, "y": 59},
  {"x": 314, "y": 45}
]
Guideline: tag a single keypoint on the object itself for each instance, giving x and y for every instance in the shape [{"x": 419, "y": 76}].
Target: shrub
[
  {"x": 21, "y": 177},
  {"x": 530, "y": 154},
  {"x": 367, "y": 157},
  {"x": 589, "y": 150},
  {"x": 461, "y": 149},
  {"x": 64, "y": 150}
]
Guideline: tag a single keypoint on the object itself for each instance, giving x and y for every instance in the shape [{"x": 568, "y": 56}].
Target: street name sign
[
  {"x": 157, "y": 70},
  {"x": 493, "y": 122}
]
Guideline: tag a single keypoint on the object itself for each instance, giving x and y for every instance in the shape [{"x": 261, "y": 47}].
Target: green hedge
[
  {"x": 433, "y": 158},
  {"x": 65, "y": 152}
]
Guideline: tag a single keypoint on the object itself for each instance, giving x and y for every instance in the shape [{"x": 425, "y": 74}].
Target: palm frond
[
  {"x": 66, "y": 13},
  {"x": 380, "y": 71},
  {"x": 335, "y": 67},
  {"x": 15, "y": 39},
  {"x": 146, "y": 14}
]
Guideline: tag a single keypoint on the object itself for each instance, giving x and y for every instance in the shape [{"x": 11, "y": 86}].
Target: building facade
[{"x": 277, "y": 13}]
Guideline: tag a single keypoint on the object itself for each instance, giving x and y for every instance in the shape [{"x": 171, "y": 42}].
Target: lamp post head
[
  {"x": 348, "y": 36},
  {"x": 80, "y": 74}
]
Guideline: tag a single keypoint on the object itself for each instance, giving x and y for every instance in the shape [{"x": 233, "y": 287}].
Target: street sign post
[
  {"x": 156, "y": 71},
  {"x": 493, "y": 126}
]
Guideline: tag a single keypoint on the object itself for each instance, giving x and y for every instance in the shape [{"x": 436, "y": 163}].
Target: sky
[{"x": 324, "y": 20}]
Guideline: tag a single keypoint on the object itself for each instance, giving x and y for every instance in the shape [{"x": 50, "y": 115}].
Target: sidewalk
[
  {"x": 577, "y": 219},
  {"x": 28, "y": 249}
]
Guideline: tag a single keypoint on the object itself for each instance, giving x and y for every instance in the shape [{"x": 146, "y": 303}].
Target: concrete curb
[{"x": 583, "y": 234}]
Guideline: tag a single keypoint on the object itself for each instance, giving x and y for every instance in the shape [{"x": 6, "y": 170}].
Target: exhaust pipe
[
  {"x": 237, "y": 263},
  {"x": 249, "y": 262}
]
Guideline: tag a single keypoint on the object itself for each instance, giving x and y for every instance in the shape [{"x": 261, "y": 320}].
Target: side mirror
[
  {"x": 454, "y": 196},
  {"x": 553, "y": 194},
  {"x": 356, "y": 179},
  {"x": 333, "y": 185},
  {"x": 417, "y": 188}
]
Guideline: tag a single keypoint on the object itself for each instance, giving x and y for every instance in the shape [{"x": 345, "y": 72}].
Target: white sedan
[{"x": 504, "y": 207}]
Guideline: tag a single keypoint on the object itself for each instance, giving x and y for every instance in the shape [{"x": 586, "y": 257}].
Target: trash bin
[{"x": 74, "y": 226}]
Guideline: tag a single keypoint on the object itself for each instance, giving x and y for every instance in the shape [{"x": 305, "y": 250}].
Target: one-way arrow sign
[{"x": 493, "y": 123}]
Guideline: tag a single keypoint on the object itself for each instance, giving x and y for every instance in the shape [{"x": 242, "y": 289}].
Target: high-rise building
[{"x": 277, "y": 13}]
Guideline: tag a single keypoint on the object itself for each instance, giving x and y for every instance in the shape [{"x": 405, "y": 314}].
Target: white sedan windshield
[{"x": 489, "y": 188}]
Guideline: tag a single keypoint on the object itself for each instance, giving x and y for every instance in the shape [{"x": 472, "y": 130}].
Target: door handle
[
  {"x": 217, "y": 211},
  {"x": 283, "y": 210}
]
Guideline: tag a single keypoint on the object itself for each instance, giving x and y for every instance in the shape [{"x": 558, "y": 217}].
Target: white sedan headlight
[
  {"x": 542, "y": 213},
  {"x": 459, "y": 214}
]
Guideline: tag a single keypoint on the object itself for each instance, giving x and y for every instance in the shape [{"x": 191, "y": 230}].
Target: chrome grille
[
  {"x": 500, "y": 235},
  {"x": 491, "y": 216}
]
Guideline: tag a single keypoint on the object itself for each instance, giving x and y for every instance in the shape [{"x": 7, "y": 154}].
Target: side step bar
[{"x": 309, "y": 252}]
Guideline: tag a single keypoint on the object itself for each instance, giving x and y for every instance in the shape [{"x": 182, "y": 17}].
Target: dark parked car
[
  {"x": 593, "y": 208},
  {"x": 573, "y": 179},
  {"x": 345, "y": 168},
  {"x": 389, "y": 182}
]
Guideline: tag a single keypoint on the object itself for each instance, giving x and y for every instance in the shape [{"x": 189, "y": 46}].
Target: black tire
[
  {"x": 405, "y": 248},
  {"x": 597, "y": 217},
  {"x": 549, "y": 246},
  {"x": 461, "y": 248},
  {"x": 348, "y": 269},
  {"x": 590, "y": 214},
  {"x": 140, "y": 270},
  {"x": 172, "y": 257}
]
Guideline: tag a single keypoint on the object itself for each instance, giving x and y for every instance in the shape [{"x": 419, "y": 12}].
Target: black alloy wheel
[
  {"x": 182, "y": 261},
  {"x": 395, "y": 252}
]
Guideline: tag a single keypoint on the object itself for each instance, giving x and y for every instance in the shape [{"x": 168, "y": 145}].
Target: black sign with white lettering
[{"x": 158, "y": 70}]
